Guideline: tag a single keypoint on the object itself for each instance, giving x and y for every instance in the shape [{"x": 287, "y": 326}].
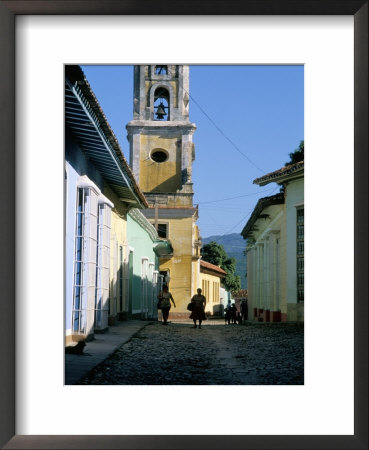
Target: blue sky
[{"x": 248, "y": 118}]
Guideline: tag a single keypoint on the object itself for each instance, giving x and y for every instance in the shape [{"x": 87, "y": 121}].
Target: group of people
[
  {"x": 231, "y": 315},
  {"x": 197, "y": 313}
]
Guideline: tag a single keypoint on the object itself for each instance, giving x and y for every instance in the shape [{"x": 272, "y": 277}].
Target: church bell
[{"x": 160, "y": 112}]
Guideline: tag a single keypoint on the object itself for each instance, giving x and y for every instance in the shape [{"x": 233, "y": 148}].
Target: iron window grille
[{"x": 300, "y": 254}]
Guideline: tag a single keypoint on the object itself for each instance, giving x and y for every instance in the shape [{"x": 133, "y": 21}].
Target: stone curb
[{"x": 100, "y": 348}]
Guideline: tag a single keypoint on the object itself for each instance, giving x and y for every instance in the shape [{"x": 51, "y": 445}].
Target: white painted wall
[{"x": 294, "y": 196}]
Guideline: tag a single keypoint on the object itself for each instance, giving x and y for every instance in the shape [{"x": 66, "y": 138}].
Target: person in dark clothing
[
  {"x": 239, "y": 319},
  {"x": 227, "y": 315},
  {"x": 233, "y": 313},
  {"x": 198, "y": 313},
  {"x": 244, "y": 310}
]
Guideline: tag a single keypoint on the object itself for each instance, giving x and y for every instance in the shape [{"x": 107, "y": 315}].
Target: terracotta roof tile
[
  {"x": 279, "y": 174},
  {"x": 212, "y": 267}
]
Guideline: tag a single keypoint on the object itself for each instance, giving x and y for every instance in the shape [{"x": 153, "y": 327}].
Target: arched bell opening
[{"x": 161, "y": 104}]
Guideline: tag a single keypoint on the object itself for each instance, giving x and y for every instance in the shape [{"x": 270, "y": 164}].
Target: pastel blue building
[
  {"x": 145, "y": 248},
  {"x": 100, "y": 190}
]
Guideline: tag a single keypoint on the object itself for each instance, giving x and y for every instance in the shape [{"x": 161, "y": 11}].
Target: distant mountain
[{"x": 235, "y": 247}]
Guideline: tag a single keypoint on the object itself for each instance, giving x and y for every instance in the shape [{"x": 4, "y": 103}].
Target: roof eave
[
  {"x": 264, "y": 202},
  {"x": 282, "y": 175},
  {"x": 76, "y": 77}
]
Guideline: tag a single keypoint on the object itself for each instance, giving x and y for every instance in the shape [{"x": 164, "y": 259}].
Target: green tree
[
  {"x": 297, "y": 155},
  {"x": 232, "y": 282},
  {"x": 214, "y": 253}
]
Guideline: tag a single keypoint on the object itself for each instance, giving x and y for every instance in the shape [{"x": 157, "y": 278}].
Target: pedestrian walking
[
  {"x": 165, "y": 297},
  {"x": 239, "y": 319},
  {"x": 227, "y": 316},
  {"x": 198, "y": 313},
  {"x": 244, "y": 310},
  {"x": 233, "y": 313}
]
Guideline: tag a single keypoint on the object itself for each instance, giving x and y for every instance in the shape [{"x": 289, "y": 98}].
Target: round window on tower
[{"x": 159, "y": 155}]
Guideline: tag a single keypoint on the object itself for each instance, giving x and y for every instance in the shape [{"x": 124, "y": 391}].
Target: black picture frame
[{"x": 8, "y": 12}]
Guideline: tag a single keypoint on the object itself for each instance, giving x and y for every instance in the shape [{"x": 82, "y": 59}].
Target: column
[
  {"x": 266, "y": 272},
  {"x": 260, "y": 276},
  {"x": 275, "y": 274}
]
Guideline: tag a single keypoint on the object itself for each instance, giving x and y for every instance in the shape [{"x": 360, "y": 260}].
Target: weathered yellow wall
[
  {"x": 210, "y": 285},
  {"x": 166, "y": 177},
  {"x": 160, "y": 177},
  {"x": 118, "y": 237},
  {"x": 182, "y": 267},
  {"x": 196, "y": 276}
]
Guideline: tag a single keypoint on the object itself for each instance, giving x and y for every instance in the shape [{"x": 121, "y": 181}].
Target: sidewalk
[{"x": 97, "y": 350}]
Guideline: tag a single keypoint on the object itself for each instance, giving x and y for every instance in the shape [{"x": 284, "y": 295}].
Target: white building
[{"x": 275, "y": 249}]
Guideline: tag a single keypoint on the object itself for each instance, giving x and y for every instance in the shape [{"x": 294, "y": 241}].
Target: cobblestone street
[{"x": 178, "y": 354}]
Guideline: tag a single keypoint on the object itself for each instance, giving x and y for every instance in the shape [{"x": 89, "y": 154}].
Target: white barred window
[
  {"x": 85, "y": 257},
  {"x": 300, "y": 254},
  {"x": 91, "y": 258},
  {"x": 103, "y": 263}
]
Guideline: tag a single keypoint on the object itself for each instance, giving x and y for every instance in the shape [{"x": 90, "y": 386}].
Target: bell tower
[
  {"x": 160, "y": 134},
  {"x": 161, "y": 157}
]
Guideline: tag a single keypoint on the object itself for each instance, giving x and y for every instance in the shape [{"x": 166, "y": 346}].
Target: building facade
[
  {"x": 161, "y": 157},
  {"x": 211, "y": 278},
  {"x": 275, "y": 249},
  {"x": 144, "y": 280},
  {"x": 225, "y": 298},
  {"x": 100, "y": 190}
]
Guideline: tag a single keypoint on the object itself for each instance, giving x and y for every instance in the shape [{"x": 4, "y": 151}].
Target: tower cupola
[{"x": 160, "y": 134}]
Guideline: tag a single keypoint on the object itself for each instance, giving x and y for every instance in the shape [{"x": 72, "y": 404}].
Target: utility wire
[
  {"x": 231, "y": 198},
  {"x": 220, "y": 130},
  {"x": 212, "y": 219},
  {"x": 234, "y": 146},
  {"x": 250, "y": 211},
  {"x": 243, "y": 218}
]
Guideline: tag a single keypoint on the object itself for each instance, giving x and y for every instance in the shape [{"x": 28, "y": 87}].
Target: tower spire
[{"x": 160, "y": 134}]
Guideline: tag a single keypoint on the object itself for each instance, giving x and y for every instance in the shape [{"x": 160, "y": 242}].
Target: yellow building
[
  {"x": 118, "y": 259},
  {"x": 161, "y": 156},
  {"x": 210, "y": 277},
  {"x": 118, "y": 245}
]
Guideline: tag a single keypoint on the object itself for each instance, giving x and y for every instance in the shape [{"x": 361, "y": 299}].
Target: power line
[
  {"x": 274, "y": 189},
  {"x": 238, "y": 196},
  {"x": 231, "y": 198},
  {"x": 214, "y": 222},
  {"x": 220, "y": 130},
  {"x": 244, "y": 218}
]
